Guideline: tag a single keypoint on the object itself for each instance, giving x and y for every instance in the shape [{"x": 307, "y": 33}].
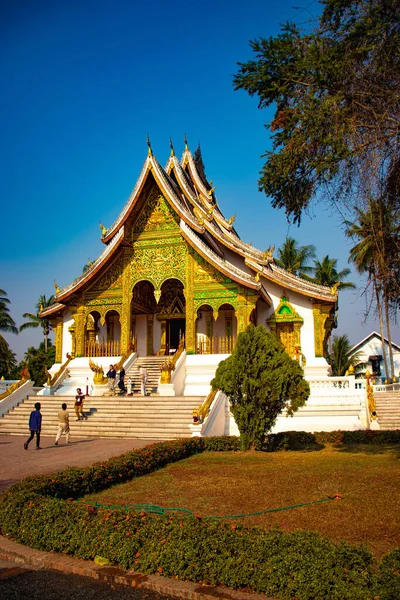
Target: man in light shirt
[
  {"x": 63, "y": 424},
  {"x": 143, "y": 379}
]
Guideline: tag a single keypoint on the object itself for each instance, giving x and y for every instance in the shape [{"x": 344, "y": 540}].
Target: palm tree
[
  {"x": 7, "y": 323},
  {"x": 36, "y": 321},
  {"x": 326, "y": 273},
  {"x": 338, "y": 356},
  {"x": 294, "y": 258},
  {"x": 377, "y": 233},
  {"x": 8, "y": 362}
]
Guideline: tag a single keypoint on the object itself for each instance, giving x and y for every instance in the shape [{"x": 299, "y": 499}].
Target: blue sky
[{"x": 83, "y": 83}]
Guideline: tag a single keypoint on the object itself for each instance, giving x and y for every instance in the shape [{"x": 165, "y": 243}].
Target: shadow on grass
[
  {"x": 295, "y": 448},
  {"x": 368, "y": 448}
]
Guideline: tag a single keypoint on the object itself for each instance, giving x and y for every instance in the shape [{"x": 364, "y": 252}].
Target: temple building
[{"x": 173, "y": 268}]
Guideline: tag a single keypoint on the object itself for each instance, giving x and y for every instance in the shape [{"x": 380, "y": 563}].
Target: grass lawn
[{"x": 232, "y": 483}]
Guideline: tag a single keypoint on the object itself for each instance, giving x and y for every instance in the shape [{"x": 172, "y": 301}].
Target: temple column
[
  {"x": 91, "y": 337},
  {"x": 150, "y": 333},
  {"x": 80, "y": 331},
  {"x": 163, "y": 345},
  {"x": 57, "y": 326},
  {"x": 241, "y": 314},
  {"x": 126, "y": 303},
  {"x": 322, "y": 318},
  {"x": 191, "y": 314},
  {"x": 209, "y": 332},
  {"x": 245, "y": 306},
  {"x": 72, "y": 330},
  {"x": 133, "y": 333}
]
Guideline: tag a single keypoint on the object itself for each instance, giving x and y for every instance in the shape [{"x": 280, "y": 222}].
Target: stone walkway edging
[{"x": 38, "y": 559}]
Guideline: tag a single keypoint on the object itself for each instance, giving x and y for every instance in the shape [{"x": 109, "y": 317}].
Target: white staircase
[
  {"x": 139, "y": 417},
  {"x": 152, "y": 366},
  {"x": 388, "y": 409}
]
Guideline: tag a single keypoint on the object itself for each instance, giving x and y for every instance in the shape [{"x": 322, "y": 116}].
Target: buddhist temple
[{"x": 174, "y": 268}]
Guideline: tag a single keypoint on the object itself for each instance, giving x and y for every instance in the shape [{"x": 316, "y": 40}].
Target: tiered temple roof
[{"x": 184, "y": 186}]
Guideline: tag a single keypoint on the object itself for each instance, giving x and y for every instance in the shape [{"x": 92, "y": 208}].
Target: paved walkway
[
  {"x": 65, "y": 577},
  {"x": 16, "y": 463}
]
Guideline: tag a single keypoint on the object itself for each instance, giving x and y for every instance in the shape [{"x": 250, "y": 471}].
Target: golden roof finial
[
  {"x": 57, "y": 287},
  {"x": 149, "y": 150},
  {"x": 269, "y": 252},
  {"x": 257, "y": 277},
  {"x": 172, "y": 147},
  {"x": 186, "y": 142},
  {"x": 334, "y": 288},
  {"x": 103, "y": 229},
  {"x": 232, "y": 219},
  {"x": 210, "y": 192}
]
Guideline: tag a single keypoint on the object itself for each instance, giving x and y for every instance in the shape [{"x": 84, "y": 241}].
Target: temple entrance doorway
[
  {"x": 157, "y": 317},
  {"x": 171, "y": 315},
  {"x": 175, "y": 331}
]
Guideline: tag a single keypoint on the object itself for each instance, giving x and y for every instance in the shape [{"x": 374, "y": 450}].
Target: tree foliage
[
  {"x": 376, "y": 253},
  {"x": 335, "y": 88},
  {"x": 326, "y": 273},
  {"x": 339, "y": 358},
  {"x": 260, "y": 380},
  {"x": 39, "y": 359},
  {"x": 294, "y": 258},
  {"x": 7, "y": 324},
  {"x": 34, "y": 320}
]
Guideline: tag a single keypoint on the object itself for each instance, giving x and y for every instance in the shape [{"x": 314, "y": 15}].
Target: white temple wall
[
  {"x": 237, "y": 261},
  {"x": 219, "y": 327},
  {"x": 202, "y": 323},
  {"x": 263, "y": 312},
  {"x": 66, "y": 337},
  {"x": 101, "y": 334},
  {"x": 141, "y": 334}
]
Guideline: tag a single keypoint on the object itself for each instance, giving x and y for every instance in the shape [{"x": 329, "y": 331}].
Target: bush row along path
[{"x": 30, "y": 573}]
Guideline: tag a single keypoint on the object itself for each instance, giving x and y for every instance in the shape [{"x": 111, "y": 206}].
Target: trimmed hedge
[
  {"x": 42, "y": 512},
  {"x": 298, "y": 440}
]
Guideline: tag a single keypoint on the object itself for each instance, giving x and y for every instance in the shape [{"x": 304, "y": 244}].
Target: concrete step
[{"x": 137, "y": 417}]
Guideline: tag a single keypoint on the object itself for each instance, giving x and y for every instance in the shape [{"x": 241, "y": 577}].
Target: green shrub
[
  {"x": 289, "y": 440},
  {"x": 389, "y": 576},
  {"x": 223, "y": 443},
  {"x": 361, "y": 436}
]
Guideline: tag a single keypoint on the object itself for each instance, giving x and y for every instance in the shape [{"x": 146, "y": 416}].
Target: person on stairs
[
  {"x": 35, "y": 426},
  {"x": 79, "y": 398},
  {"x": 63, "y": 424},
  {"x": 121, "y": 382},
  {"x": 111, "y": 376},
  {"x": 143, "y": 379}
]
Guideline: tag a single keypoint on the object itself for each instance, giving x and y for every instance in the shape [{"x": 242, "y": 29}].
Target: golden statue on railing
[
  {"x": 169, "y": 364},
  {"x": 98, "y": 377}
]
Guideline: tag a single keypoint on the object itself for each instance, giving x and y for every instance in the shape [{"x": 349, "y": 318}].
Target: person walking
[
  {"x": 121, "y": 382},
  {"x": 63, "y": 424},
  {"x": 111, "y": 376},
  {"x": 129, "y": 387},
  {"x": 35, "y": 426},
  {"x": 143, "y": 379},
  {"x": 79, "y": 398}
]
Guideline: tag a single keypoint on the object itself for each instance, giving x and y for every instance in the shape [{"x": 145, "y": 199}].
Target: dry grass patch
[{"x": 233, "y": 483}]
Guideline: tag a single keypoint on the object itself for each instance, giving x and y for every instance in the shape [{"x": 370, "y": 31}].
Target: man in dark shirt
[{"x": 35, "y": 426}]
